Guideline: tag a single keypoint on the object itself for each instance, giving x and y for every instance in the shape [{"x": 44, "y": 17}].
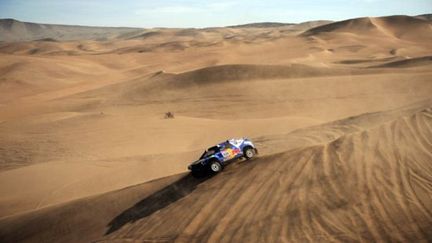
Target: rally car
[{"x": 215, "y": 158}]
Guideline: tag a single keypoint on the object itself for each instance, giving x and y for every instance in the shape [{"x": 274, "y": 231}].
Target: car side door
[{"x": 230, "y": 151}]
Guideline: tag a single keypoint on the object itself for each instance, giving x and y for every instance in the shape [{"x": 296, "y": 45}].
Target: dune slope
[
  {"x": 412, "y": 62},
  {"x": 399, "y": 27},
  {"x": 370, "y": 185},
  {"x": 367, "y": 186}
]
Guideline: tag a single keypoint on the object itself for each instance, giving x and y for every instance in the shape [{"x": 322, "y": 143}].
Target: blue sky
[{"x": 201, "y": 13}]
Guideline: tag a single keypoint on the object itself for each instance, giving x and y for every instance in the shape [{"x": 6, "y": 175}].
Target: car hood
[{"x": 197, "y": 162}]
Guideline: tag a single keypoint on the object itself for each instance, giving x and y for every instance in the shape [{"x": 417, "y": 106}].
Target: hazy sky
[{"x": 201, "y": 13}]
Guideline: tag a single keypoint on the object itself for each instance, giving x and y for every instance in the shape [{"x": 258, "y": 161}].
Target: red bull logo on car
[{"x": 230, "y": 153}]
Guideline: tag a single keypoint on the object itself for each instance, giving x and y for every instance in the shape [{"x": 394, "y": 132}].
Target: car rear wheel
[
  {"x": 249, "y": 153},
  {"x": 215, "y": 167}
]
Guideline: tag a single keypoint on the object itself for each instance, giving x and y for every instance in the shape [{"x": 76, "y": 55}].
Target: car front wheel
[{"x": 215, "y": 167}]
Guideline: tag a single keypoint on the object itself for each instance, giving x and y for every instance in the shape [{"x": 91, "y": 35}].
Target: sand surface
[{"x": 341, "y": 113}]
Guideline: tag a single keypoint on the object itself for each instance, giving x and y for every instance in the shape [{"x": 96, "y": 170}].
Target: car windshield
[
  {"x": 209, "y": 152},
  {"x": 224, "y": 145}
]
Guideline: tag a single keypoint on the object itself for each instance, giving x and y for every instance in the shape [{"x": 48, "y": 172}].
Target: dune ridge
[
  {"x": 411, "y": 62},
  {"x": 251, "y": 72},
  {"x": 399, "y": 27}
]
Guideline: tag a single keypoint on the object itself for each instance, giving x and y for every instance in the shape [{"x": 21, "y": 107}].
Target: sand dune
[
  {"x": 251, "y": 72},
  {"x": 412, "y": 62},
  {"x": 425, "y": 16},
  {"x": 237, "y": 72},
  {"x": 351, "y": 26},
  {"x": 401, "y": 27},
  {"x": 359, "y": 61},
  {"x": 299, "y": 26},
  {"x": 277, "y": 86},
  {"x": 324, "y": 133},
  {"x": 360, "y": 186},
  {"x": 339, "y": 191},
  {"x": 404, "y": 27},
  {"x": 75, "y": 134}
]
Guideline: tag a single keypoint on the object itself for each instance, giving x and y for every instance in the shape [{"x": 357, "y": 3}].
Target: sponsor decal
[{"x": 230, "y": 153}]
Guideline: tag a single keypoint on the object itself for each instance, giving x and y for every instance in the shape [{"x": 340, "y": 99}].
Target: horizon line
[{"x": 208, "y": 27}]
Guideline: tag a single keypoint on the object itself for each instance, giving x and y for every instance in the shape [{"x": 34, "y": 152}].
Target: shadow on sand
[{"x": 156, "y": 201}]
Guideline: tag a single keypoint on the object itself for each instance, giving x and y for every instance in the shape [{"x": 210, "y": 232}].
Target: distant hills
[
  {"x": 261, "y": 25},
  {"x": 425, "y": 16},
  {"x": 12, "y": 30}
]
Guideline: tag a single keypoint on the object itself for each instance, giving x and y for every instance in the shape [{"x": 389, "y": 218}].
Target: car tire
[
  {"x": 216, "y": 167},
  {"x": 249, "y": 153}
]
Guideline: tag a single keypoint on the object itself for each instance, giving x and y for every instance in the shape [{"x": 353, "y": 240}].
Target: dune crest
[
  {"x": 411, "y": 62},
  {"x": 399, "y": 27}
]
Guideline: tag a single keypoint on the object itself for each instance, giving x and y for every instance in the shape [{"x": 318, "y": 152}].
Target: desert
[{"x": 341, "y": 112}]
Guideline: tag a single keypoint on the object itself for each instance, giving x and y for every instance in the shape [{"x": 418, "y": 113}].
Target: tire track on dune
[
  {"x": 192, "y": 219},
  {"x": 418, "y": 202},
  {"x": 363, "y": 209},
  {"x": 405, "y": 132},
  {"x": 241, "y": 208},
  {"x": 286, "y": 205},
  {"x": 387, "y": 185},
  {"x": 378, "y": 175},
  {"x": 418, "y": 128},
  {"x": 327, "y": 166},
  {"x": 257, "y": 176},
  {"x": 355, "y": 188},
  {"x": 396, "y": 178},
  {"x": 298, "y": 169},
  {"x": 228, "y": 212},
  {"x": 405, "y": 188},
  {"x": 173, "y": 227},
  {"x": 360, "y": 191},
  {"x": 399, "y": 138},
  {"x": 282, "y": 207}
]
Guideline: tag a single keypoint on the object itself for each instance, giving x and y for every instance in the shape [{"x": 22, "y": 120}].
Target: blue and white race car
[{"x": 216, "y": 157}]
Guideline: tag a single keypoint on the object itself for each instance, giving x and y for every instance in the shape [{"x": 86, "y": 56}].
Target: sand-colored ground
[{"x": 341, "y": 114}]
